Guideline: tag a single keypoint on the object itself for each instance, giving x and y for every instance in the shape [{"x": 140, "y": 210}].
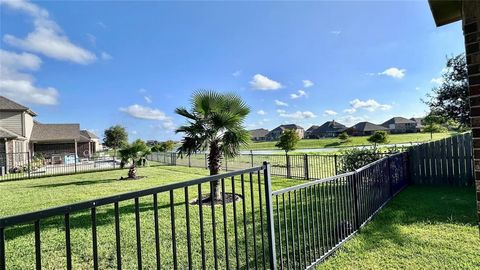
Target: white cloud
[
  {"x": 280, "y": 103},
  {"x": 350, "y": 111},
  {"x": 335, "y": 32},
  {"x": 261, "y": 82},
  {"x": 20, "y": 86},
  {"x": 142, "y": 112},
  {"x": 307, "y": 83},
  {"x": 105, "y": 56},
  {"x": 351, "y": 120},
  {"x": 47, "y": 37},
  {"x": 298, "y": 115},
  {"x": 102, "y": 25},
  {"x": 417, "y": 88},
  {"x": 438, "y": 80},
  {"x": 142, "y": 90},
  {"x": 370, "y": 105},
  {"x": 148, "y": 99},
  {"x": 330, "y": 113},
  {"x": 261, "y": 112},
  {"x": 394, "y": 72},
  {"x": 280, "y": 111},
  {"x": 237, "y": 73},
  {"x": 92, "y": 39},
  {"x": 299, "y": 94}
]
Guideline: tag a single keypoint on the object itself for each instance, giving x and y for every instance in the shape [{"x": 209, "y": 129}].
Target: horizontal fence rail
[
  {"x": 23, "y": 165},
  {"x": 176, "y": 226},
  {"x": 444, "y": 162},
  {"x": 312, "y": 220}
]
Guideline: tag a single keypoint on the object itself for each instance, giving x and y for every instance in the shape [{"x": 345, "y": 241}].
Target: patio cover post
[{"x": 445, "y": 12}]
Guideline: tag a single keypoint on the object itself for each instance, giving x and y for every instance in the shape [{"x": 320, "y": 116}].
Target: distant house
[
  {"x": 364, "y": 129},
  {"x": 258, "y": 135},
  {"x": 328, "y": 129},
  {"x": 20, "y": 134},
  {"x": 275, "y": 134},
  {"x": 420, "y": 124},
  {"x": 309, "y": 132},
  {"x": 400, "y": 125}
]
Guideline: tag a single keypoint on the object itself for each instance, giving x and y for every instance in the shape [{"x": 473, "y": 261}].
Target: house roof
[
  {"x": 88, "y": 134},
  {"x": 330, "y": 126},
  {"x": 258, "y": 133},
  {"x": 312, "y": 128},
  {"x": 7, "y": 134},
  {"x": 418, "y": 120},
  {"x": 445, "y": 11},
  {"x": 10, "y": 105},
  {"x": 289, "y": 126},
  {"x": 55, "y": 132},
  {"x": 367, "y": 126},
  {"x": 398, "y": 120}
]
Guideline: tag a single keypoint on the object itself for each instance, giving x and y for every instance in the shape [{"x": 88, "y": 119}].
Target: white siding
[
  {"x": 12, "y": 121},
  {"x": 28, "y": 125}
]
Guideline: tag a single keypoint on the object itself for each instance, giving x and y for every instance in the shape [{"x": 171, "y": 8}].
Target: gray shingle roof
[
  {"x": 88, "y": 134},
  {"x": 330, "y": 126},
  {"x": 367, "y": 126},
  {"x": 55, "y": 132},
  {"x": 7, "y": 134},
  {"x": 398, "y": 120},
  {"x": 10, "y": 105},
  {"x": 258, "y": 133},
  {"x": 312, "y": 128}
]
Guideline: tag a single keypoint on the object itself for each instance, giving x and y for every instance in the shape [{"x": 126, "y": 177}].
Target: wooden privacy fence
[{"x": 444, "y": 162}]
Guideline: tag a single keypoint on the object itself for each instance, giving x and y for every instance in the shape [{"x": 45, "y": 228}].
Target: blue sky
[{"x": 132, "y": 63}]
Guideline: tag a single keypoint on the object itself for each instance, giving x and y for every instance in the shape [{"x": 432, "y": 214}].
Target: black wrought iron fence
[
  {"x": 303, "y": 166},
  {"x": 177, "y": 226},
  {"x": 312, "y": 220}
]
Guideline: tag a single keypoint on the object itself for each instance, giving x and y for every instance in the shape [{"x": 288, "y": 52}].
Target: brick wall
[{"x": 471, "y": 31}]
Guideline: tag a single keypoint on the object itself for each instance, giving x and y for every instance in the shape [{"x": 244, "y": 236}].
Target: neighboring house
[
  {"x": 400, "y": 125},
  {"x": 420, "y": 124},
  {"x": 275, "y": 134},
  {"x": 258, "y": 135},
  {"x": 308, "y": 132},
  {"x": 328, "y": 129},
  {"x": 20, "y": 134},
  {"x": 364, "y": 129}
]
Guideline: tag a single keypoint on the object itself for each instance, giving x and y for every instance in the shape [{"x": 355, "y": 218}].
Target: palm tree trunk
[{"x": 214, "y": 165}]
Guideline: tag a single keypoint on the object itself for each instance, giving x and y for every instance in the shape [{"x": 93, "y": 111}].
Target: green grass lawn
[
  {"x": 422, "y": 228},
  {"x": 354, "y": 141},
  {"x": 36, "y": 194}
]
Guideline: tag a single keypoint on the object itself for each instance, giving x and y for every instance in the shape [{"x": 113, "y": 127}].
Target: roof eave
[{"x": 446, "y": 11}]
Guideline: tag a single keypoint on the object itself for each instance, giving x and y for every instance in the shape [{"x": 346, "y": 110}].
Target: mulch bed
[{"x": 206, "y": 199}]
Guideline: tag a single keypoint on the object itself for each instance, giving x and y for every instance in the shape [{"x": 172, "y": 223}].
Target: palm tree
[{"x": 214, "y": 124}]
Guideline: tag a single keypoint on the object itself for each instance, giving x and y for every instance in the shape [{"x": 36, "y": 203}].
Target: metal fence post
[
  {"x": 305, "y": 166},
  {"x": 189, "y": 161},
  {"x": 29, "y": 166},
  {"x": 206, "y": 163},
  {"x": 355, "y": 200},
  {"x": 75, "y": 161},
  {"x": 289, "y": 171},
  {"x": 336, "y": 164},
  {"x": 269, "y": 214},
  {"x": 251, "y": 157}
]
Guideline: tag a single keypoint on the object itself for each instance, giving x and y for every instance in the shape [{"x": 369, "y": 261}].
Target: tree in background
[
  {"x": 378, "y": 137},
  {"x": 435, "y": 123},
  {"x": 164, "y": 146},
  {"x": 115, "y": 137},
  {"x": 343, "y": 137},
  {"x": 214, "y": 124},
  {"x": 288, "y": 140},
  {"x": 450, "y": 99}
]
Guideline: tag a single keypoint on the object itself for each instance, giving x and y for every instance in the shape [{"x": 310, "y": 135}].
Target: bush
[
  {"x": 355, "y": 158},
  {"x": 343, "y": 137},
  {"x": 378, "y": 137}
]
